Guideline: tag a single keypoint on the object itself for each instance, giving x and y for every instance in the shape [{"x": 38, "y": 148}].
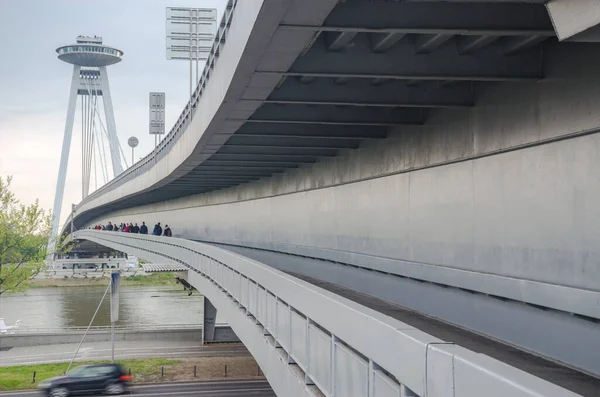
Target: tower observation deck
[{"x": 90, "y": 52}]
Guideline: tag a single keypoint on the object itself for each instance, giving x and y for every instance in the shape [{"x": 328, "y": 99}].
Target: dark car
[{"x": 98, "y": 378}]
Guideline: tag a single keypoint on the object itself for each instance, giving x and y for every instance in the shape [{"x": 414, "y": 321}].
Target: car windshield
[{"x": 78, "y": 371}]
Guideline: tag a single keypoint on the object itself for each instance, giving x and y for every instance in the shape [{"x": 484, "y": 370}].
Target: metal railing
[{"x": 341, "y": 346}]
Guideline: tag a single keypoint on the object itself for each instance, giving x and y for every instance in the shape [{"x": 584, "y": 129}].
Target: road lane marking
[
  {"x": 24, "y": 360},
  {"x": 201, "y": 351},
  {"x": 220, "y": 391},
  {"x": 166, "y": 393}
]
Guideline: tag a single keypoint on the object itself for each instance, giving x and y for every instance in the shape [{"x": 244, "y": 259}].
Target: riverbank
[
  {"x": 151, "y": 370},
  {"x": 146, "y": 280}
]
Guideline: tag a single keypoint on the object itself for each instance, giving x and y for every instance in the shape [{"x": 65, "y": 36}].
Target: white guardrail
[
  {"x": 342, "y": 347},
  {"x": 103, "y": 328}
]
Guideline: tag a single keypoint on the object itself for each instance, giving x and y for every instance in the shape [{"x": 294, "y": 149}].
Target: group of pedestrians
[{"x": 134, "y": 228}]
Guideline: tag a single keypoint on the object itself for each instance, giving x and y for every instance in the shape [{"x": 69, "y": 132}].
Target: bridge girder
[{"x": 336, "y": 74}]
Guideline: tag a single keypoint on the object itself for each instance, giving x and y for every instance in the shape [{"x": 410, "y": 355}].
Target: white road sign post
[
  {"x": 190, "y": 35},
  {"x": 157, "y": 115},
  {"x": 133, "y": 142}
]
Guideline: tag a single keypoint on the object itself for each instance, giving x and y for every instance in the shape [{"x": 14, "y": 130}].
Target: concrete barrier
[{"x": 222, "y": 334}]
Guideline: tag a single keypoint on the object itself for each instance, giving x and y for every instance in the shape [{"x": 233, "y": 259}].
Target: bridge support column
[{"x": 208, "y": 323}]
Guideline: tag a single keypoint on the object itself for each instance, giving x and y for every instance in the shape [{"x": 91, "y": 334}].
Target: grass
[
  {"x": 21, "y": 377},
  {"x": 150, "y": 279},
  {"x": 153, "y": 279},
  {"x": 143, "y": 370}
]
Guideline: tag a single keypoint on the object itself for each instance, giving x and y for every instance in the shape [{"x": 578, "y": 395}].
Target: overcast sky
[{"x": 34, "y": 84}]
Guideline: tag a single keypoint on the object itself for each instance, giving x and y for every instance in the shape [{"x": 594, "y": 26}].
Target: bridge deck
[{"x": 550, "y": 371}]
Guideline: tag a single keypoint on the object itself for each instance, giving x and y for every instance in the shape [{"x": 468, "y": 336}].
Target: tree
[{"x": 24, "y": 235}]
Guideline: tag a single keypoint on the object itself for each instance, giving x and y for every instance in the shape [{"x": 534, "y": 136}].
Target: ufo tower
[{"x": 89, "y": 58}]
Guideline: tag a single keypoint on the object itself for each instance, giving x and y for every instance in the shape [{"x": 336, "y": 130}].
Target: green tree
[{"x": 24, "y": 234}]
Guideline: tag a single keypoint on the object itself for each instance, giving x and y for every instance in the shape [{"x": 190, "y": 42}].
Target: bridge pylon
[{"x": 89, "y": 81}]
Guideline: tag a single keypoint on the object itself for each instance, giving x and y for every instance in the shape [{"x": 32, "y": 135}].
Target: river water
[{"x": 75, "y": 306}]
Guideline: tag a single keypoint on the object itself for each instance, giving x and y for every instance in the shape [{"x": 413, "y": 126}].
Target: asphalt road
[
  {"x": 123, "y": 350},
  {"x": 191, "y": 389}
]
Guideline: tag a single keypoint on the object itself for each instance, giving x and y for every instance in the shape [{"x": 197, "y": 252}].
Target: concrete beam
[
  {"x": 575, "y": 19},
  {"x": 442, "y": 17},
  {"x": 361, "y": 92},
  {"x": 209, "y": 321},
  {"x": 337, "y": 115},
  {"x": 400, "y": 62}
]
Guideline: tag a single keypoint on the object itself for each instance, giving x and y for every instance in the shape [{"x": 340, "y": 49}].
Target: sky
[{"x": 34, "y": 84}]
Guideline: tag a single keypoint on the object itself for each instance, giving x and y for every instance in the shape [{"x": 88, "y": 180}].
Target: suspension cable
[{"x": 101, "y": 148}]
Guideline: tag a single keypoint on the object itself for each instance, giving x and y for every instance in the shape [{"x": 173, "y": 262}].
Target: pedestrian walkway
[{"x": 99, "y": 351}]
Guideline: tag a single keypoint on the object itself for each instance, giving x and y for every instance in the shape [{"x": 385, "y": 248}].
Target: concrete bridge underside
[{"x": 404, "y": 147}]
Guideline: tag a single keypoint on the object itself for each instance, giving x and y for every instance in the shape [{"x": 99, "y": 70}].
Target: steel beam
[
  {"x": 265, "y": 157},
  {"x": 306, "y": 152},
  {"x": 427, "y": 43},
  {"x": 442, "y": 17},
  {"x": 212, "y": 180},
  {"x": 379, "y": 81},
  {"x": 470, "y": 44},
  {"x": 307, "y": 79},
  {"x": 381, "y": 42},
  {"x": 240, "y": 172},
  {"x": 343, "y": 80},
  {"x": 338, "y": 41},
  {"x": 187, "y": 182},
  {"x": 277, "y": 145},
  {"x": 249, "y": 163},
  {"x": 361, "y": 92},
  {"x": 345, "y": 115},
  {"x": 311, "y": 130},
  {"x": 213, "y": 177},
  {"x": 401, "y": 62},
  {"x": 206, "y": 182},
  {"x": 248, "y": 168},
  {"x": 516, "y": 45},
  {"x": 287, "y": 141},
  {"x": 193, "y": 184}
]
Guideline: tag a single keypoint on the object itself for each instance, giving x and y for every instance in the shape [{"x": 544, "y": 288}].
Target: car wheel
[
  {"x": 59, "y": 392},
  {"x": 115, "y": 388}
]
